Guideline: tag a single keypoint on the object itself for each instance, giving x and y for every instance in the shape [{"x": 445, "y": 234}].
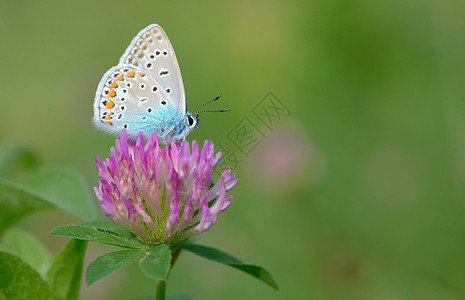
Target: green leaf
[
  {"x": 110, "y": 262},
  {"x": 63, "y": 187},
  {"x": 156, "y": 262},
  {"x": 16, "y": 201},
  {"x": 15, "y": 160},
  {"x": 19, "y": 281},
  {"x": 27, "y": 247},
  {"x": 110, "y": 226},
  {"x": 224, "y": 258},
  {"x": 95, "y": 234},
  {"x": 64, "y": 275}
]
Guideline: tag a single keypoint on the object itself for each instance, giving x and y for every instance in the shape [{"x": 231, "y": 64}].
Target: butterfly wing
[
  {"x": 131, "y": 98},
  {"x": 151, "y": 51}
]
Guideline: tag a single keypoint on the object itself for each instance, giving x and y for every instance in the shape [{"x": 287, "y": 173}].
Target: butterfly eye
[{"x": 190, "y": 120}]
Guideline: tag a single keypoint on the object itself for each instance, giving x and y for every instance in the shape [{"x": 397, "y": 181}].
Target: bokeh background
[{"x": 357, "y": 193}]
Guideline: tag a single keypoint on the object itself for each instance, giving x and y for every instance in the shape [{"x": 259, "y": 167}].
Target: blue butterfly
[{"x": 144, "y": 92}]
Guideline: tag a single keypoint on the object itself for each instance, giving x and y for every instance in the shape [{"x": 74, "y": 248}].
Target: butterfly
[{"x": 145, "y": 92}]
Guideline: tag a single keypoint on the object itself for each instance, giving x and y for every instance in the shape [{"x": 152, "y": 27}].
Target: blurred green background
[{"x": 357, "y": 194}]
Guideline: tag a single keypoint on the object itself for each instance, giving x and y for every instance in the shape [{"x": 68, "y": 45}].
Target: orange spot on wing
[
  {"x": 109, "y": 123},
  {"x": 110, "y": 104},
  {"x": 111, "y": 93},
  {"x": 113, "y": 85},
  {"x": 141, "y": 74},
  {"x": 120, "y": 77},
  {"x": 131, "y": 74},
  {"x": 108, "y": 117}
]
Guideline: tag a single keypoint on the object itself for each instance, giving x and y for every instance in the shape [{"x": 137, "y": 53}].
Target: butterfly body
[{"x": 144, "y": 92}]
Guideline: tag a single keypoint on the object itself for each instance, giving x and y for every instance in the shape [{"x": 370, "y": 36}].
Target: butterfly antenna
[
  {"x": 201, "y": 105},
  {"x": 221, "y": 110}
]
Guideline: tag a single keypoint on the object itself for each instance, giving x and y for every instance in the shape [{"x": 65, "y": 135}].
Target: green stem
[
  {"x": 174, "y": 257},
  {"x": 161, "y": 287}
]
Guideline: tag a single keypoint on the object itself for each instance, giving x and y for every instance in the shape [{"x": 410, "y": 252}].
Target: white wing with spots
[
  {"x": 151, "y": 51},
  {"x": 130, "y": 98}
]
